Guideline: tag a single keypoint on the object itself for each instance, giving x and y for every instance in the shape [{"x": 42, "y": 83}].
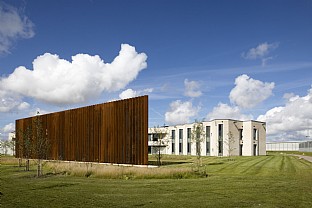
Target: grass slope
[{"x": 276, "y": 180}]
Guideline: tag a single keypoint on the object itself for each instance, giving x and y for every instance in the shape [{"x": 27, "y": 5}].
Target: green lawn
[{"x": 277, "y": 180}]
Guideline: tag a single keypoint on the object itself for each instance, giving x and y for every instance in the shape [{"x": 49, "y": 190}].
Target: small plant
[
  {"x": 160, "y": 143},
  {"x": 198, "y": 136}
]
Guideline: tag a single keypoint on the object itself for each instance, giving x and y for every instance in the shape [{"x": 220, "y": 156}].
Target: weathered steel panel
[{"x": 114, "y": 132}]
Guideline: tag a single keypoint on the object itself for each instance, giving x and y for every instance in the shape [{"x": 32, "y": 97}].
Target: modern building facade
[
  {"x": 282, "y": 146},
  {"x": 220, "y": 137},
  {"x": 113, "y": 132},
  {"x": 305, "y": 146}
]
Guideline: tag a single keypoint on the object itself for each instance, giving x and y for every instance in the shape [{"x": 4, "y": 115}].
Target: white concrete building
[
  {"x": 305, "y": 146},
  {"x": 282, "y": 146},
  {"x": 8, "y": 146},
  {"x": 221, "y": 137}
]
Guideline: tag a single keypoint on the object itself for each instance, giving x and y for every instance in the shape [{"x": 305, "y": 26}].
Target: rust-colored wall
[{"x": 114, "y": 132}]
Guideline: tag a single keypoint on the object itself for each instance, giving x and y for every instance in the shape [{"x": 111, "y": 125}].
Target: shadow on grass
[{"x": 166, "y": 163}]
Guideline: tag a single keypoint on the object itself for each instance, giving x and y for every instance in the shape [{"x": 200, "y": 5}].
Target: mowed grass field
[{"x": 276, "y": 180}]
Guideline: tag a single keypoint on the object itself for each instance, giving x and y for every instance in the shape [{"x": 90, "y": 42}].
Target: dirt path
[{"x": 308, "y": 158}]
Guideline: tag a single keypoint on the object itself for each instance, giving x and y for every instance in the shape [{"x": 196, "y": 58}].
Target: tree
[
  {"x": 197, "y": 137},
  {"x": 8, "y": 145},
  {"x": 25, "y": 146},
  {"x": 159, "y": 143},
  {"x": 34, "y": 144},
  {"x": 5, "y": 145},
  {"x": 230, "y": 144},
  {"x": 41, "y": 144}
]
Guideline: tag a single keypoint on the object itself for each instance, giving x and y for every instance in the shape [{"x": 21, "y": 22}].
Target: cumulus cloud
[
  {"x": 224, "y": 111},
  {"x": 260, "y": 51},
  {"x": 13, "y": 26},
  {"x": 294, "y": 119},
  {"x": 192, "y": 88},
  {"x": 58, "y": 81},
  {"x": 249, "y": 92},
  {"x": 9, "y": 128},
  {"x": 180, "y": 112},
  {"x": 130, "y": 93}
]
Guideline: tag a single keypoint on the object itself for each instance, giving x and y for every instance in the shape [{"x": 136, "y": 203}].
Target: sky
[{"x": 196, "y": 60}]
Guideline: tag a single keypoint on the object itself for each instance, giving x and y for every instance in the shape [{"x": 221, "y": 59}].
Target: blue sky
[{"x": 195, "y": 59}]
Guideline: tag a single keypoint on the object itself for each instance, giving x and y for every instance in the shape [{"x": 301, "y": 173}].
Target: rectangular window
[
  {"x": 240, "y": 134},
  {"x": 189, "y": 136},
  {"x": 255, "y": 134},
  {"x": 208, "y": 132},
  {"x": 155, "y": 137},
  {"x": 207, "y": 140},
  {"x": 180, "y": 148},
  {"x": 150, "y": 137},
  {"x": 255, "y": 150},
  {"x": 220, "y": 144},
  {"x": 173, "y": 141},
  {"x": 180, "y": 140},
  {"x": 180, "y": 134},
  {"x": 220, "y": 131},
  {"x": 240, "y": 150},
  {"x": 189, "y": 132},
  {"x": 220, "y": 138},
  {"x": 208, "y": 148}
]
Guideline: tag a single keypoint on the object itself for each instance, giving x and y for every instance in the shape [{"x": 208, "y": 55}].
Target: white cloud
[
  {"x": 264, "y": 61},
  {"x": 249, "y": 92},
  {"x": 192, "y": 88},
  {"x": 9, "y": 128},
  {"x": 224, "y": 111},
  {"x": 294, "y": 119},
  {"x": 23, "y": 106},
  {"x": 260, "y": 51},
  {"x": 180, "y": 112},
  {"x": 58, "y": 81},
  {"x": 130, "y": 93},
  {"x": 13, "y": 26},
  {"x": 10, "y": 101}
]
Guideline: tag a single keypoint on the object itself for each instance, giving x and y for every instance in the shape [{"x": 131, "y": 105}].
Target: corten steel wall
[{"x": 114, "y": 132}]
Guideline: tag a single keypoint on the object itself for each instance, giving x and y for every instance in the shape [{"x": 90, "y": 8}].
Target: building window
[
  {"x": 207, "y": 140},
  {"x": 220, "y": 148},
  {"x": 240, "y": 150},
  {"x": 180, "y": 140},
  {"x": 189, "y": 132},
  {"x": 150, "y": 137},
  {"x": 208, "y": 148},
  {"x": 180, "y": 134},
  {"x": 255, "y": 134},
  {"x": 208, "y": 132},
  {"x": 155, "y": 137},
  {"x": 220, "y": 137},
  {"x": 220, "y": 131},
  {"x": 255, "y": 150},
  {"x": 173, "y": 140},
  {"x": 240, "y": 134}
]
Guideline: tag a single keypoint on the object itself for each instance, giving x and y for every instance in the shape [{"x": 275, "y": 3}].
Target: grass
[
  {"x": 277, "y": 180},
  {"x": 291, "y": 152}
]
